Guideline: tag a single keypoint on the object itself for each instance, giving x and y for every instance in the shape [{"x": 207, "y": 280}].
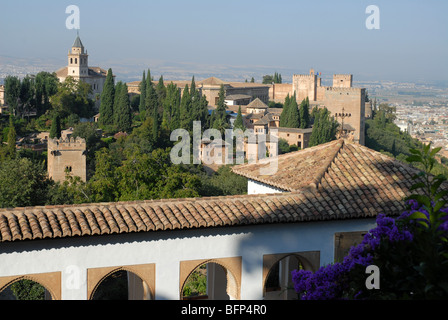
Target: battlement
[
  {"x": 304, "y": 76},
  {"x": 342, "y": 80},
  {"x": 344, "y": 89},
  {"x": 67, "y": 144}
]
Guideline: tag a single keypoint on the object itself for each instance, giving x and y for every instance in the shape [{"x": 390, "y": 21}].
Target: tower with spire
[
  {"x": 78, "y": 60},
  {"x": 78, "y": 68}
]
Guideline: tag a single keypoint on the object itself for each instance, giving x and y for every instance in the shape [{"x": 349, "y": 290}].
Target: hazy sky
[{"x": 330, "y": 36}]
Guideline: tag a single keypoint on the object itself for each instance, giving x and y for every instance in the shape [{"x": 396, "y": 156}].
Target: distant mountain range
[{"x": 131, "y": 70}]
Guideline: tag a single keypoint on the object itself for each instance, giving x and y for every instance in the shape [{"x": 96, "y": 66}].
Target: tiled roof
[
  {"x": 352, "y": 182},
  {"x": 340, "y": 170},
  {"x": 257, "y": 104},
  {"x": 149, "y": 216},
  {"x": 212, "y": 81}
]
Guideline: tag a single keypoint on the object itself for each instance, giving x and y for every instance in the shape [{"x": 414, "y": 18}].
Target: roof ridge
[
  {"x": 167, "y": 201},
  {"x": 318, "y": 178}
]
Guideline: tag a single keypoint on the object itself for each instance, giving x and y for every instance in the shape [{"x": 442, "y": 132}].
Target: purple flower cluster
[{"x": 330, "y": 282}]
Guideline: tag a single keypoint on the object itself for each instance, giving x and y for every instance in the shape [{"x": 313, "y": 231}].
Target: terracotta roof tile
[{"x": 350, "y": 181}]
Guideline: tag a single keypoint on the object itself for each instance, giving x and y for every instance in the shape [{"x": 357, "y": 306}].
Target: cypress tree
[
  {"x": 285, "y": 112},
  {"x": 155, "y": 128},
  {"x": 55, "y": 130},
  {"x": 122, "y": 112},
  {"x": 293, "y": 114},
  {"x": 186, "y": 109},
  {"x": 151, "y": 100},
  {"x": 324, "y": 128},
  {"x": 12, "y": 135},
  {"x": 107, "y": 100},
  {"x": 161, "y": 92},
  {"x": 304, "y": 114},
  {"x": 171, "y": 108},
  {"x": 221, "y": 106},
  {"x": 239, "y": 123},
  {"x": 142, "y": 87}
]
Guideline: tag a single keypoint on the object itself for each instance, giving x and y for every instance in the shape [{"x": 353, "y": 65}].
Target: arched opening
[
  {"x": 121, "y": 285},
  {"x": 277, "y": 276},
  {"x": 209, "y": 281},
  {"x": 25, "y": 289}
]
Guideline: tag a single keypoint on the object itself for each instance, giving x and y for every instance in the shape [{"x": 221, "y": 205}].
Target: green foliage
[
  {"x": 324, "y": 127},
  {"x": 22, "y": 183},
  {"x": 304, "y": 114},
  {"x": 142, "y": 88},
  {"x": 73, "y": 97},
  {"x": 122, "y": 108},
  {"x": 107, "y": 101},
  {"x": 28, "y": 290},
  {"x": 196, "y": 284},
  {"x": 223, "y": 182},
  {"x": 239, "y": 123},
  {"x": 11, "y": 147},
  {"x": 276, "y": 78},
  {"x": 55, "y": 130},
  {"x": 218, "y": 119},
  {"x": 151, "y": 99},
  {"x": 284, "y": 147},
  {"x": 46, "y": 85}
]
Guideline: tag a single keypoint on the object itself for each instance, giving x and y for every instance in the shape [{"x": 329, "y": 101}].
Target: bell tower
[{"x": 78, "y": 66}]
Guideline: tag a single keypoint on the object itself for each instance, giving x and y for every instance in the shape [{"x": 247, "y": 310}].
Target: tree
[
  {"x": 293, "y": 120},
  {"x": 142, "y": 87},
  {"x": 304, "y": 113},
  {"x": 161, "y": 92},
  {"x": 152, "y": 101},
  {"x": 172, "y": 111},
  {"x": 11, "y": 148},
  {"x": 252, "y": 80},
  {"x": 185, "y": 109},
  {"x": 107, "y": 101},
  {"x": 122, "y": 109},
  {"x": 46, "y": 85},
  {"x": 55, "y": 130},
  {"x": 324, "y": 128},
  {"x": 285, "y": 112},
  {"x": 219, "y": 115},
  {"x": 267, "y": 79},
  {"x": 23, "y": 183},
  {"x": 411, "y": 250},
  {"x": 239, "y": 123},
  {"x": 12, "y": 93}
]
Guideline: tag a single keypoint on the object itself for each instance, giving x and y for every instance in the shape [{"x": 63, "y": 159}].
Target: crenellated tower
[{"x": 67, "y": 156}]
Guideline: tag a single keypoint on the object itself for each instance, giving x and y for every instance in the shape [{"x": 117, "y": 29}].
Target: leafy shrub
[{"x": 411, "y": 250}]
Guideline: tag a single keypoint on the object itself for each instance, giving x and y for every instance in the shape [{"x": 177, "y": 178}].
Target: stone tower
[
  {"x": 78, "y": 66},
  {"x": 67, "y": 156},
  {"x": 342, "y": 80}
]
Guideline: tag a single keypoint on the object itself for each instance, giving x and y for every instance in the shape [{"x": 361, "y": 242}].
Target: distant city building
[
  {"x": 78, "y": 68},
  {"x": 237, "y": 93}
]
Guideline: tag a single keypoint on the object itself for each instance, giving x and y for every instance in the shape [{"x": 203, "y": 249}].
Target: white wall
[
  {"x": 166, "y": 249},
  {"x": 255, "y": 187}
]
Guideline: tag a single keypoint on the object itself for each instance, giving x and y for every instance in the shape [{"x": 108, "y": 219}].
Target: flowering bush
[{"x": 411, "y": 251}]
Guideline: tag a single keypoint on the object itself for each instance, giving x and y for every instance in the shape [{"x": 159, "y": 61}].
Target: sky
[{"x": 330, "y": 36}]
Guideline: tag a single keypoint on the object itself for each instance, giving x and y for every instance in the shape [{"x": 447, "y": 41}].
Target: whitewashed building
[{"x": 320, "y": 202}]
